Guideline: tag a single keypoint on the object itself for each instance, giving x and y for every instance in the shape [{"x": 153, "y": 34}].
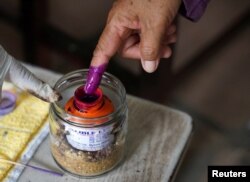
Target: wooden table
[{"x": 157, "y": 136}]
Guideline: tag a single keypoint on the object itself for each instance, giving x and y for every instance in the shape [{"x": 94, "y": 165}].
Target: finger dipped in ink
[{"x": 94, "y": 78}]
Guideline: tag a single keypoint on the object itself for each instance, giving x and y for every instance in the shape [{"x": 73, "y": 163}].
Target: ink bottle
[{"x": 88, "y": 132}]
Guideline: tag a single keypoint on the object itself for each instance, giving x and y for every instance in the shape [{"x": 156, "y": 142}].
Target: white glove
[{"x": 16, "y": 73}]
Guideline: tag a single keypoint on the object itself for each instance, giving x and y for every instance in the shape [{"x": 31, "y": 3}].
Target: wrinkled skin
[{"x": 138, "y": 29}]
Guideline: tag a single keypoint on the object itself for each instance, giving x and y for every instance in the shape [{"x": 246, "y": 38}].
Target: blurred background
[{"x": 207, "y": 77}]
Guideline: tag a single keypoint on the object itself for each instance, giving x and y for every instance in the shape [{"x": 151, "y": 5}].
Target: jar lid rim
[{"x": 109, "y": 117}]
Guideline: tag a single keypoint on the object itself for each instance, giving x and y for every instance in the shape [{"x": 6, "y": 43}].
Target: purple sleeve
[{"x": 193, "y": 9}]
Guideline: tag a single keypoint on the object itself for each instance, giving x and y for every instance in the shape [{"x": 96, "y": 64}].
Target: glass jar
[{"x": 88, "y": 146}]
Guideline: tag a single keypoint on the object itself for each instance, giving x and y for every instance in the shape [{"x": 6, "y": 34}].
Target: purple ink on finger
[
  {"x": 94, "y": 78},
  {"x": 83, "y": 100}
]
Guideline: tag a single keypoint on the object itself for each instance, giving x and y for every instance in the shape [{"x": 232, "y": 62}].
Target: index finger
[{"x": 107, "y": 46}]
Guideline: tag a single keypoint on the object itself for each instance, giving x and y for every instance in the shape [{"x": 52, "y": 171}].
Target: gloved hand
[{"x": 15, "y": 72}]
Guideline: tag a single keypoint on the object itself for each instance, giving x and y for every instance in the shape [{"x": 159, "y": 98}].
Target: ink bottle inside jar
[{"x": 88, "y": 132}]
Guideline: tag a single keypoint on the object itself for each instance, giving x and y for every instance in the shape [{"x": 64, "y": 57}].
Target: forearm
[{"x": 193, "y": 9}]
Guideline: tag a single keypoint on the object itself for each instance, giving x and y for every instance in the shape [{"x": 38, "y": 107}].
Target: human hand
[
  {"x": 139, "y": 29},
  {"x": 23, "y": 78}
]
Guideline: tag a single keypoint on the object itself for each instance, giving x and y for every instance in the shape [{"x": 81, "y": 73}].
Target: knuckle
[{"x": 149, "y": 53}]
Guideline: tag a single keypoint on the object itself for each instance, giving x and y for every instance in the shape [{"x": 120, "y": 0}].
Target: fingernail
[{"x": 150, "y": 66}]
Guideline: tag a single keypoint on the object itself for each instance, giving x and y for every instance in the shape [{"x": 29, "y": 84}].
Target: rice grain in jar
[{"x": 88, "y": 141}]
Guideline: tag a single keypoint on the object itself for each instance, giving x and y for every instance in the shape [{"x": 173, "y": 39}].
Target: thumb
[
  {"x": 150, "y": 46},
  {"x": 107, "y": 46}
]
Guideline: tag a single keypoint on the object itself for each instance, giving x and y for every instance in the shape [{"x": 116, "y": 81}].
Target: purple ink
[
  {"x": 8, "y": 102},
  {"x": 44, "y": 170},
  {"x": 94, "y": 78},
  {"x": 83, "y": 100}
]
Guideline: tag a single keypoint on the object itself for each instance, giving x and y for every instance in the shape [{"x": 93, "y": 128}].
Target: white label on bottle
[{"x": 89, "y": 139}]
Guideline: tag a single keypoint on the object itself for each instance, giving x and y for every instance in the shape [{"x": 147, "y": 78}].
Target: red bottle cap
[{"x": 89, "y": 106}]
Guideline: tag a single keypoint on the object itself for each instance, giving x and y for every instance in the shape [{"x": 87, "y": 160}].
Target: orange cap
[{"x": 89, "y": 106}]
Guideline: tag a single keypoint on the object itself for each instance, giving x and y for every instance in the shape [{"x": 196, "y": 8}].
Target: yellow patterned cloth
[{"x": 19, "y": 127}]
